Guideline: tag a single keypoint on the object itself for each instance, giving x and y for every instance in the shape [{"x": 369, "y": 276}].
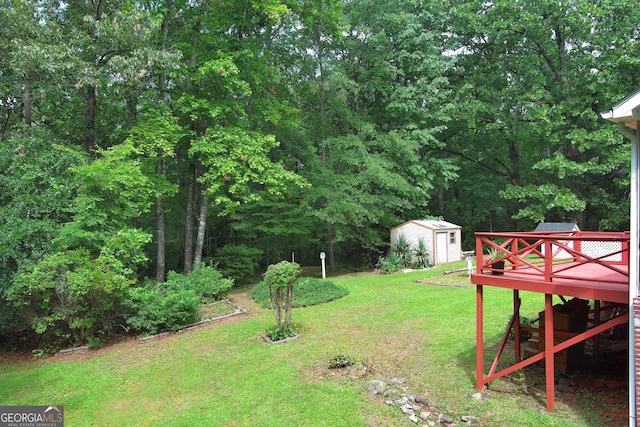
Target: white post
[
  {"x": 634, "y": 273},
  {"x": 634, "y": 258},
  {"x": 322, "y": 257}
]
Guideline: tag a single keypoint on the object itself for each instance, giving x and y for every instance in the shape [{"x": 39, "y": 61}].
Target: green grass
[{"x": 225, "y": 375}]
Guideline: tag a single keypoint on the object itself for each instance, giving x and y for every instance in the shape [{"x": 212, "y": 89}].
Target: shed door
[{"x": 441, "y": 248}]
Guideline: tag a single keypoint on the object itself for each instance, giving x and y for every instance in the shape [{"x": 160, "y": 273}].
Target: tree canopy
[{"x": 161, "y": 131}]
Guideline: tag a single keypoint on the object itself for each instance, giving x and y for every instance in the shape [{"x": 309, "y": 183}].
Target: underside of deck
[{"x": 588, "y": 266}]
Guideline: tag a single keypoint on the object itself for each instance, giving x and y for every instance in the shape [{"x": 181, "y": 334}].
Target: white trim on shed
[{"x": 443, "y": 239}]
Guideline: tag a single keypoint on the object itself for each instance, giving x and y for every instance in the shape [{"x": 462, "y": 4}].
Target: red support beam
[
  {"x": 576, "y": 271},
  {"x": 516, "y": 324},
  {"x": 479, "y": 340},
  {"x": 548, "y": 352}
]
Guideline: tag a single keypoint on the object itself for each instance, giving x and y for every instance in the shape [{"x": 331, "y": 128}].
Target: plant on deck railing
[
  {"x": 495, "y": 253},
  {"x": 497, "y": 264}
]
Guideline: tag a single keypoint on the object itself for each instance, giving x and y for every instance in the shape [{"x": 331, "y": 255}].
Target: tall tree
[
  {"x": 532, "y": 85},
  {"x": 231, "y": 101},
  {"x": 374, "y": 99}
]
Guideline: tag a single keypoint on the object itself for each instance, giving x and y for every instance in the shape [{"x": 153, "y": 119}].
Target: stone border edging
[
  {"x": 239, "y": 311},
  {"x": 286, "y": 340}
]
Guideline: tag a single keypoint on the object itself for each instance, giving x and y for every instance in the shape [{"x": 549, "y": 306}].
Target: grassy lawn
[{"x": 403, "y": 325}]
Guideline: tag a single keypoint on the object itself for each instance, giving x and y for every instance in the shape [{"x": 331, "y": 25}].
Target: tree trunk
[
  {"x": 202, "y": 223},
  {"x": 330, "y": 256},
  {"x": 90, "y": 121},
  {"x": 189, "y": 219},
  {"x": 161, "y": 258},
  {"x": 28, "y": 118},
  {"x": 288, "y": 306},
  {"x": 162, "y": 164}
]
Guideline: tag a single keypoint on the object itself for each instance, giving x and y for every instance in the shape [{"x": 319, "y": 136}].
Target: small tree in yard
[{"x": 280, "y": 279}]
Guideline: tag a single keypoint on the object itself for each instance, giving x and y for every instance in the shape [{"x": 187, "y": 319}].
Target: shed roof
[
  {"x": 557, "y": 226},
  {"x": 435, "y": 224}
]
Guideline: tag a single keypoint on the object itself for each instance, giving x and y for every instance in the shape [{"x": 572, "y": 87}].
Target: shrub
[
  {"x": 237, "y": 262},
  {"x": 390, "y": 264},
  {"x": 159, "y": 307},
  {"x": 524, "y": 335},
  {"x": 206, "y": 282},
  {"x": 421, "y": 255},
  {"x": 402, "y": 248},
  {"x": 280, "y": 278},
  {"x": 69, "y": 297},
  {"x": 307, "y": 291},
  {"x": 279, "y": 333},
  {"x": 340, "y": 361},
  {"x": 156, "y": 307}
]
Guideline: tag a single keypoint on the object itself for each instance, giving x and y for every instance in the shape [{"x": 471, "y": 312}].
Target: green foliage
[
  {"x": 392, "y": 263},
  {"x": 279, "y": 333},
  {"x": 238, "y": 262},
  {"x": 159, "y": 307},
  {"x": 307, "y": 291},
  {"x": 239, "y": 169},
  {"x": 11, "y": 316},
  {"x": 539, "y": 200},
  {"x": 524, "y": 335},
  {"x": 36, "y": 191},
  {"x": 403, "y": 249},
  {"x": 230, "y": 355},
  {"x": 113, "y": 193},
  {"x": 340, "y": 361},
  {"x": 280, "y": 278},
  {"x": 157, "y": 133},
  {"x": 405, "y": 255},
  {"x": 69, "y": 297},
  {"x": 114, "y": 190},
  {"x": 421, "y": 258},
  {"x": 207, "y": 282},
  {"x": 495, "y": 253},
  {"x": 156, "y": 308}
]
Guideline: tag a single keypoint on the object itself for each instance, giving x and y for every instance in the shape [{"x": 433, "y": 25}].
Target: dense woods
[{"x": 139, "y": 138}]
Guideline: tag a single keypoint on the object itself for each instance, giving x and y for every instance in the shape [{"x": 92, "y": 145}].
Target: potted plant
[{"x": 497, "y": 264}]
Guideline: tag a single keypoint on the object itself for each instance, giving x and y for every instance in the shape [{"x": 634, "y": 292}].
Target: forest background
[{"x": 142, "y": 137}]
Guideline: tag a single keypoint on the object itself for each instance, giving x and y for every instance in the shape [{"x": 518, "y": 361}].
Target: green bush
[
  {"x": 402, "y": 248},
  {"x": 390, "y": 264},
  {"x": 206, "y": 282},
  {"x": 70, "y": 297},
  {"x": 159, "y": 307},
  {"x": 307, "y": 291},
  {"x": 238, "y": 262},
  {"x": 421, "y": 257},
  {"x": 280, "y": 279}
]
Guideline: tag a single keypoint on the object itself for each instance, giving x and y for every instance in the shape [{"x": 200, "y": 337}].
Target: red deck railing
[
  {"x": 552, "y": 255},
  {"x": 588, "y": 265}
]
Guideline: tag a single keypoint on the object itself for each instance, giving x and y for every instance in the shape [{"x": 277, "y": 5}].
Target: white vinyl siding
[{"x": 445, "y": 249}]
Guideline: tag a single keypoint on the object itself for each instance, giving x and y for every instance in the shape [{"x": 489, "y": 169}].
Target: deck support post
[
  {"x": 479, "y": 340},
  {"x": 548, "y": 351},
  {"x": 516, "y": 324},
  {"x": 596, "y": 322}
]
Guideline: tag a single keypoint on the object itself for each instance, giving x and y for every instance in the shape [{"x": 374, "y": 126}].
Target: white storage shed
[{"x": 443, "y": 239}]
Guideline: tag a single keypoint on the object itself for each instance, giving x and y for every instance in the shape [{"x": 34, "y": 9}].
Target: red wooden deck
[{"x": 587, "y": 265}]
